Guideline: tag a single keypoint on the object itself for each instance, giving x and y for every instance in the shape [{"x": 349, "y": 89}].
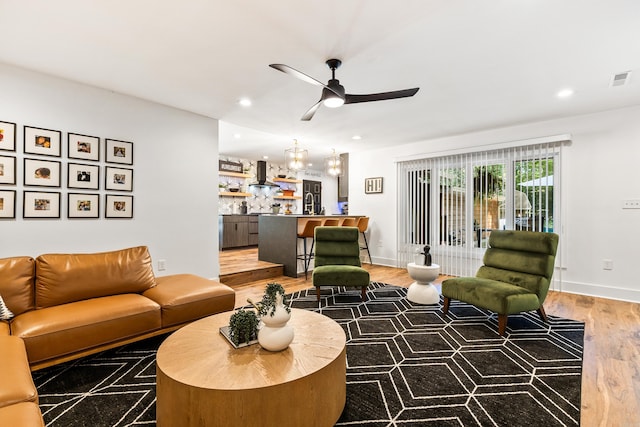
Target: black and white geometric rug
[{"x": 407, "y": 365}]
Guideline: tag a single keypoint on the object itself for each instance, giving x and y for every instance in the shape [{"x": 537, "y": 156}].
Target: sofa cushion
[
  {"x": 16, "y": 283},
  {"x": 4, "y": 328},
  {"x": 186, "y": 297},
  {"x": 17, "y": 385},
  {"x": 64, "y": 278},
  {"x": 70, "y": 328},
  {"x": 25, "y": 414}
]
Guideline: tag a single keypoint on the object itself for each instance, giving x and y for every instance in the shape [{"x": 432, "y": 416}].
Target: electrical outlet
[
  {"x": 162, "y": 264},
  {"x": 607, "y": 264},
  {"x": 631, "y": 204}
]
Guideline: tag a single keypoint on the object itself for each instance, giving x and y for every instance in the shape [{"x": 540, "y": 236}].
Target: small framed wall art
[
  {"x": 7, "y": 170},
  {"x": 41, "y": 204},
  {"x": 41, "y": 173},
  {"x": 83, "y": 205},
  {"x": 7, "y": 204},
  {"x": 83, "y": 176},
  {"x": 7, "y": 136},
  {"x": 373, "y": 185},
  {"x": 83, "y": 147},
  {"x": 118, "y": 179},
  {"x": 119, "y": 152},
  {"x": 117, "y": 206},
  {"x": 42, "y": 141}
]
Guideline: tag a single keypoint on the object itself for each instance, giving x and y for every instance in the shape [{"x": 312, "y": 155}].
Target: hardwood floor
[{"x": 611, "y": 367}]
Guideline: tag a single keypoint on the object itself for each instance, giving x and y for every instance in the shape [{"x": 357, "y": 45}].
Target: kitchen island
[{"x": 279, "y": 241}]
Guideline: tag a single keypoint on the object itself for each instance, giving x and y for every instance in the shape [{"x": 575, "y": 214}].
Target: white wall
[
  {"x": 600, "y": 169},
  {"x": 174, "y": 181}
]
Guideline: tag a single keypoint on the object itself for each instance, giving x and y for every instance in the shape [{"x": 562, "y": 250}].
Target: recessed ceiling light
[
  {"x": 356, "y": 137},
  {"x": 565, "y": 93},
  {"x": 245, "y": 102},
  {"x": 265, "y": 157},
  {"x": 237, "y": 136}
]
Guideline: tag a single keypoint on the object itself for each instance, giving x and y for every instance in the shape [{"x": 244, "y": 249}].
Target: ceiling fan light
[{"x": 333, "y": 102}]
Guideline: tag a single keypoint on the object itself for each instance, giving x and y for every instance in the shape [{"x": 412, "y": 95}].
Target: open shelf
[
  {"x": 291, "y": 181},
  {"x": 234, "y": 174},
  {"x": 235, "y": 194},
  {"x": 288, "y": 197}
]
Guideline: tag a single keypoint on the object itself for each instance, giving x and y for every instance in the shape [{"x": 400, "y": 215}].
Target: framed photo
[
  {"x": 7, "y": 136},
  {"x": 83, "y": 147},
  {"x": 117, "y": 206},
  {"x": 41, "y": 173},
  {"x": 42, "y": 141},
  {"x": 83, "y": 176},
  {"x": 41, "y": 204},
  {"x": 119, "y": 152},
  {"x": 373, "y": 185},
  {"x": 118, "y": 179},
  {"x": 7, "y": 170},
  {"x": 7, "y": 204},
  {"x": 83, "y": 205}
]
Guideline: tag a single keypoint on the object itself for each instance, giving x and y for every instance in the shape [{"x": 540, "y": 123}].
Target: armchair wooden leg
[
  {"x": 502, "y": 324},
  {"x": 364, "y": 293},
  {"x": 445, "y": 307},
  {"x": 542, "y": 314},
  {"x": 318, "y": 292}
]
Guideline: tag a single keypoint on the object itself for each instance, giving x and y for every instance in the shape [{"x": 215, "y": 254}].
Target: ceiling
[{"x": 479, "y": 64}]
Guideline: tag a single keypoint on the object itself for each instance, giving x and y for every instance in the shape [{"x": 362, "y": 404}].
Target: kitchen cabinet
[{"x": 233, "y": 231}]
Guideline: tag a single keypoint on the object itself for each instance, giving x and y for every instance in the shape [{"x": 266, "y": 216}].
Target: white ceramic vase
[{"x": 274, "y": 333}]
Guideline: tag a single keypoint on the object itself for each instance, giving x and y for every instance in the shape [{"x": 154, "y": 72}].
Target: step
[{"x": 251, "y": 275}]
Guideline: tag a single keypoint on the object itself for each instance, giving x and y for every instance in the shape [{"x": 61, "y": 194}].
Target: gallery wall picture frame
[
  {"x": 41, "y": 141},
  {"x": 118, "y": 152},
  {"x": 83, "y": 147},
  {"x": 373, "y": 185},
  {"x": 41, "y": 204},
  {"x": 118, "y": 179},
  {"x": 83, "y": 176},
  {"x": 41, "y": 173},
  {"x": 118, "y": 206},
  {"x": 7, "y": 170},
  {"x": 7, "y": 136},
  {"x": 7, "y": 204},
  {"x": 83, "y": 205}
]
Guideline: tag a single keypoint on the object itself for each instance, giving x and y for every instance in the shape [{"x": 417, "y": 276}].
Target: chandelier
[
  {"x": 295, "y": 158},
  {"x": 332, "y": 164}
]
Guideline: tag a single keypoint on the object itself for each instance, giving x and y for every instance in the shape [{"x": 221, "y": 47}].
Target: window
[{"x": 466, "y": 196}]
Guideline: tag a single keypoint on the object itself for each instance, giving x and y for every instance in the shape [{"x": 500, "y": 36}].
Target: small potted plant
[
  {"x": 243, "y": 327},
  {"x": 274, "y": 296}
]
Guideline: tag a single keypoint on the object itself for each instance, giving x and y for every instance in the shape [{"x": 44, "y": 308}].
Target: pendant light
[
  {"x": 332, "y": 164},
  {"x": 295, "y": 158}
]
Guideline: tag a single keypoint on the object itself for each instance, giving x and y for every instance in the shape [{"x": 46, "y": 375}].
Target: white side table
[{"x": 422, "y": 290}]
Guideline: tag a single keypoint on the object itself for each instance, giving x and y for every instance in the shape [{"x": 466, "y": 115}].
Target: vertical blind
[{"x": 453, "y": 202}]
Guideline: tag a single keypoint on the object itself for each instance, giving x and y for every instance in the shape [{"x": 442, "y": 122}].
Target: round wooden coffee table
[{"x": 203, "y": 381}]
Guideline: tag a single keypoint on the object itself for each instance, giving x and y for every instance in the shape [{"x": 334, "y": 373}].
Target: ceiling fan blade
[
  {"x": 311, "y": 111},
  {"x": 297, "y": 74},
  {"x": 353, "y": 99}
]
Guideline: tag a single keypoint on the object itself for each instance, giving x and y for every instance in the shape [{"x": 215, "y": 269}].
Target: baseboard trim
[{"x": 601, "y": 291}]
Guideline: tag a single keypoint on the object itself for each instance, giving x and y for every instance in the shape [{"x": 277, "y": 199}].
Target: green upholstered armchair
[
  {"x": 337, "y": 259},
  {"x": 515, "y": 277}
]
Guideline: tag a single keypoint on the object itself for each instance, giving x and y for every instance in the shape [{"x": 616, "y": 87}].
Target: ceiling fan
[{"x": 333, "y": 94}]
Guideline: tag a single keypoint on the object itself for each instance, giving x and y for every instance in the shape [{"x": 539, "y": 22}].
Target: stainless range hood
[{"x": 261, "y": 174}]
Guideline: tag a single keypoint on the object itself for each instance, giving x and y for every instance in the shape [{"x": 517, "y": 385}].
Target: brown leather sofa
[{"x": 68, "y": 306}]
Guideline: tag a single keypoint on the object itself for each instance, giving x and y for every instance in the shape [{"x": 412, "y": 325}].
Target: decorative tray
[{"x": 227, "y": 334}]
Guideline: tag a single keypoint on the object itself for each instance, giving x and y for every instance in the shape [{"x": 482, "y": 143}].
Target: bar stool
[
  {"x": 308, "y": 232},
  {"x": 330, "y": 222},
  {"x": 349, "y": 222},
  {"x": 363, "y": 224}
]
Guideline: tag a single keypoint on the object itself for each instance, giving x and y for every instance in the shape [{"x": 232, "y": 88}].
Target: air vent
[{"x": 620, "y": 79}]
